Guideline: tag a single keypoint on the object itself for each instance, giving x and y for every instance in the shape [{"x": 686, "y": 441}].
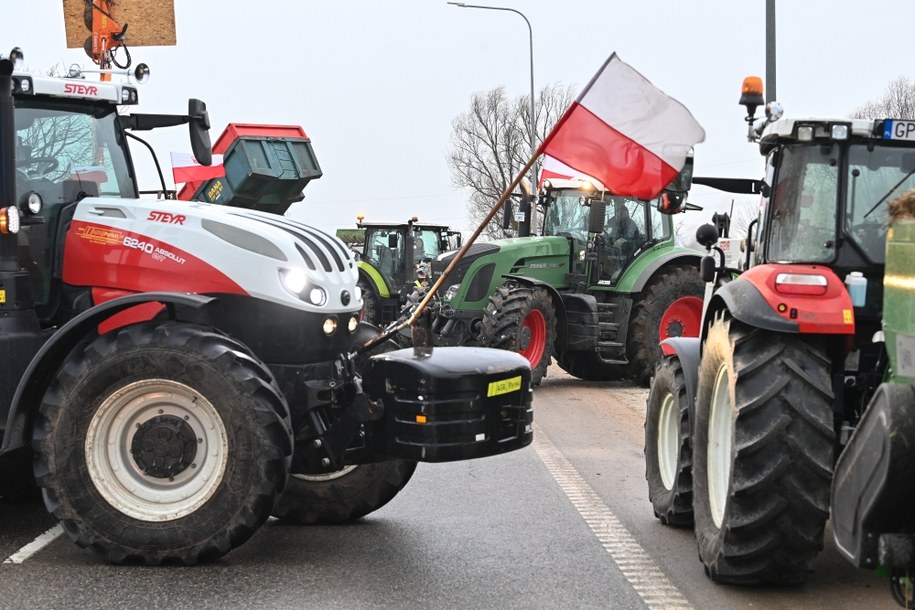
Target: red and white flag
[
  {"x": 625, "y": 132},
  {"x": 185, "y": 168}
]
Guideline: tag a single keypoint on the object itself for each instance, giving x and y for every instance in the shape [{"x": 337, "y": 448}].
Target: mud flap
[
  {"x": 456, "y": 403},
  {"x": 872, "y": 493}
]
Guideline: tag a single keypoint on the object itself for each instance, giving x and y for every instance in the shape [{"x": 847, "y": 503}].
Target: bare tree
[
  {"x": 744, "y": 212},
  {"x": 491, "y": 143},
  {"x": 897, "y": 101}
]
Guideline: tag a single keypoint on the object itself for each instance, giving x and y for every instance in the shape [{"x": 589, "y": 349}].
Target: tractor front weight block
[{"x": 454, "y": 403}]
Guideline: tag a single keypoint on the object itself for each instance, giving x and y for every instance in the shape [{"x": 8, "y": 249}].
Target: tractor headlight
[
  {"x": 317, "y": 296},
  {"x": 296, "y": 282},
  {"x": 329, "y": 326},
  {"x": 839, "y": 131},
  {"x": 353, "y": 324},
  {"x": 451, "y": 292},
  {"x": 31, "y": 203},
  {"x": 293, "y": 280},
  {"x": 358, "y": 293}
]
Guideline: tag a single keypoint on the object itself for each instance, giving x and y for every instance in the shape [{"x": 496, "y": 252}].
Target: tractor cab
[
  {"x": 826, "y": 195},
  {"x": 395, "y": 260},
  {"x": 607, "y": 231},
  {"x": 65, "y": 150},
  {"x": 398, "y": 250},
  {"x": 69, "y": 142}
]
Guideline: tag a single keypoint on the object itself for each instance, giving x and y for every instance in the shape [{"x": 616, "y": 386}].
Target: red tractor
[{"x": 744, "y": 423}]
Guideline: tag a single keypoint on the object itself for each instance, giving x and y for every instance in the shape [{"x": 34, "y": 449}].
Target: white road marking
[
  {"x": 35, "y": 545},
  {"x": 646, "y": 578}
]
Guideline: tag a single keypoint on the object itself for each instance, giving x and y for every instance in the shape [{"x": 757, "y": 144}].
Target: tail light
[{"x": 801, "y": 284}]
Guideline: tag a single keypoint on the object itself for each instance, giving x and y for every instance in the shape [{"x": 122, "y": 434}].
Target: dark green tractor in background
[
  {"x": 392, "y": 258},
  {"x": 597, "y": 299}
]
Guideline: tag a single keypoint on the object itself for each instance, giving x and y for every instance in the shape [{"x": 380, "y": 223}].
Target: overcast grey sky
[{"x": 376, "y": 84}]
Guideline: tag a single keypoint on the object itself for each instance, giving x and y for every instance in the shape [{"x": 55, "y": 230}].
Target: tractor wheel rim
[
  {"x": 720, "y": 440},
  {"x": 535, "y": 327},
  {"x": 682, "y": 318},
  {"x": 668, "y": 441},
  {"x": 131, "y": 418}
]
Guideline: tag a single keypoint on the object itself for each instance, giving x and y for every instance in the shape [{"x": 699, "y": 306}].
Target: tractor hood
[
  {"x": 485, "y": 264},
  {"x": 140, "y": 245}
]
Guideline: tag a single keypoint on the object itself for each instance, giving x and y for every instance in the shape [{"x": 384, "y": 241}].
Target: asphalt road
[{"x": 564, "y": 523}]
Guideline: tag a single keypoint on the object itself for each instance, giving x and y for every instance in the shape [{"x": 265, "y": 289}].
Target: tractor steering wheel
[{"x": 46, "y": 164}]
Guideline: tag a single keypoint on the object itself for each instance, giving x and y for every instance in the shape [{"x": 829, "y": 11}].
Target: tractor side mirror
[
  {"x": 671, "y": 202},
  {"x": 199, "y": 126},
  {"x": 392, "y": 241},
  {"x": 507, "y": 213},
  {"x": 597, "y": 216},
  {"x": 673, "y": 198},
  {"x": 684, "y": 180}
]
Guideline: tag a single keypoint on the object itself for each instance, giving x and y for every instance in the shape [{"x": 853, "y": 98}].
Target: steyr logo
[
  {"x": 167, "y": 217},
  {"x": 80, "y": 89}
]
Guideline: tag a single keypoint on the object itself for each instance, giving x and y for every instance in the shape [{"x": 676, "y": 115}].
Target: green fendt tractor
[
  {"x": 393, "y": 258},
  {"x": 597, "y": 290},
  {"x": 872, "y": 494}
]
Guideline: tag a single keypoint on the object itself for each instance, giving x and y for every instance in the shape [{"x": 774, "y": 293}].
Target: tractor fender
[
  {"x": 50, "y": 356},
  {"x": 689, "y": 351},
  {"x": 558, "y": 304},
  {"x": 746, "y": 304},
  {"x": 643, "y": 275},
  {"x": 374, "y": 277}
]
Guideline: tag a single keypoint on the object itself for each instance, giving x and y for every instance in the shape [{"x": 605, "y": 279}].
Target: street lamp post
[{"x": 533, "y": 125}]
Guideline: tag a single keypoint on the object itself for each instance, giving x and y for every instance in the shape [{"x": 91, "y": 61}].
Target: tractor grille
[{"x": 316, "y": 248}]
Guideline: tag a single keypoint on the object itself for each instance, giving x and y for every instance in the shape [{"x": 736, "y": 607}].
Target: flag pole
[{"x": 394, "y": 328}]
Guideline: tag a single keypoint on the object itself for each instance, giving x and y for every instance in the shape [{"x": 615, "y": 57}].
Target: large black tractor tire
[
  {"x": 342, "y": 496},
  {"x": 762, "y": 454},
  {"x": 162, "y": 442},
  {"x": 352, "y": 492},
  {"x": 589, "y": 366},
  {"x": 670, "y": 305},
  {"x": 371, "y": 303},
  {"x": 523, "y": 320},
  {"x": 668, "y": 457}
]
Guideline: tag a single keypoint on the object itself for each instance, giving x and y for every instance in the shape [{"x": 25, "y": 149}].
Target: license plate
[{"x": 897, "y": 129}]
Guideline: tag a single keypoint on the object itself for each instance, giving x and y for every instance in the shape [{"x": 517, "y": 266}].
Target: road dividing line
[
  {"x": 646, "y": 578},
  {"x": 35, "y": 545}
]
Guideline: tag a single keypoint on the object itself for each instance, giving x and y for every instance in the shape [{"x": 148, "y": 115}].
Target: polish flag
[
  {"x": 185, "y": 168},
  {"x": 625, "y": 132}
]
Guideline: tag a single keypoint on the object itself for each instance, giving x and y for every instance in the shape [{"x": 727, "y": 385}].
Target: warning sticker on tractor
[
  {"x": 101, "y": 235},
  {"x": 503, "y": 386},
  {"x": 847, "y": 316}
]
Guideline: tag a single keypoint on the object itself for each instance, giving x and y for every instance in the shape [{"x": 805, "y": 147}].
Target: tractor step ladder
[{"x": 609, "y": 349}]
